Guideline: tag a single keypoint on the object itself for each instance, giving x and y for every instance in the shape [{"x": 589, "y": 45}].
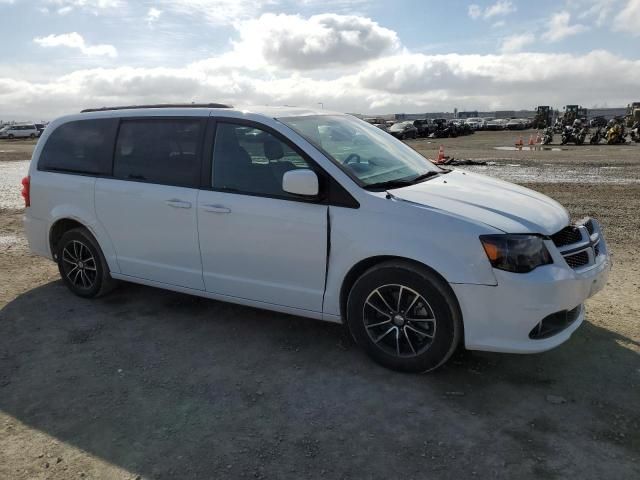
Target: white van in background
[{"x": 19, "y": 131}]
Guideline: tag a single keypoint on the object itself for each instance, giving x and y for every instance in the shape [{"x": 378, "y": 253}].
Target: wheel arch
[
  {"x": 365, "y": 264},
  {"x": 60, "y": 227}
]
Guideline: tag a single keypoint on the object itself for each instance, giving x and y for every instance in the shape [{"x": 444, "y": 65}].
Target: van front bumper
[{"x": 506, "y": 317}]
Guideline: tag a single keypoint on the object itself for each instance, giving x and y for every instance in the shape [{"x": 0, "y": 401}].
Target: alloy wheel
[
  {"x": 399, "y": 320},
  {"x": 79, "y": 265}
]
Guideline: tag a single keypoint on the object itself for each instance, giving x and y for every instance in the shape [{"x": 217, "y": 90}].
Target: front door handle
[
  {"x": 215, "y": 208},
  {"x": 175, "y": 203}
]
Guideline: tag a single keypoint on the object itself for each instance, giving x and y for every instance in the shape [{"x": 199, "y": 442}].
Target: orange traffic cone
[
  {"x": 519, "y": 143},
  {"x": 531, "y": 142},
  {"x": 440, "y": 155}
]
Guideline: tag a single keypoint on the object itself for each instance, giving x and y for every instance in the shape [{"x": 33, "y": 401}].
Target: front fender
[{"x": 446, "y": 243}]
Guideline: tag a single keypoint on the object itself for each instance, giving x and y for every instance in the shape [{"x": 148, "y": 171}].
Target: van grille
[
  {"x": 577, "y": 260},
  {"x": 579, "y": 244},
  {"x": 566, "y": 236}
]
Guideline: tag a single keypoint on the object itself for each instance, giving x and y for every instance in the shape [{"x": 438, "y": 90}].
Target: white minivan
[
  {"x": 19, "y": 131},
  {"x": 315, "y": 214}
]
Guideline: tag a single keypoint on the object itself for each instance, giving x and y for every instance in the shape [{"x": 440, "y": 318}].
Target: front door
[{"x": 257, "y": 241}]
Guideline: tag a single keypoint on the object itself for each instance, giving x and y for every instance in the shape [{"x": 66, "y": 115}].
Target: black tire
[
  {"x": 416, "y": 349},
  {"x": 33, "y": 135},
  {"x": 10, "y": 136},
  {"x": 82, "y": 265}
]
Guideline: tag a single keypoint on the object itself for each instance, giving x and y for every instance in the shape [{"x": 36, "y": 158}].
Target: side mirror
[{"x": 301, "y": 182}]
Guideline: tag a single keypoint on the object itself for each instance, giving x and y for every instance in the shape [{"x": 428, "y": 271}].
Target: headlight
[{"x": 516, "y": 253}]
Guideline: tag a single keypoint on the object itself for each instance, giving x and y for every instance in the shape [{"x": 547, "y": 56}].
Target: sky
[{"x": 378, "y": 56}]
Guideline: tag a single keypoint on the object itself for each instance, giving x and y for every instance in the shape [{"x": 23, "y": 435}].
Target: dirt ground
[{"x": 146, "y": 383}]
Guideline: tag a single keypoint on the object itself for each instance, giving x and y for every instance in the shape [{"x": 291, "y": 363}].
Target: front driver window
[{"x": 253, "y": 161}]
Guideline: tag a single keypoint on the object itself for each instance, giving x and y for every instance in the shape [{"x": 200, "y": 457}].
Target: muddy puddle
[
  {"x": 527, "y": 148},
  {"x": 554, "y": 173},
  {"x": 11, "y": 174}
]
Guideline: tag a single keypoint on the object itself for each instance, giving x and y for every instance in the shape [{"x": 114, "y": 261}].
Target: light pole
[{"x": 321, "y": 105}]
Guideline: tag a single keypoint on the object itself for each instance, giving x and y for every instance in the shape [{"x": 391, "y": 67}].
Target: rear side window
[
  {"x": 164, "y": 151},
  {"x": 84, "y": 146}
]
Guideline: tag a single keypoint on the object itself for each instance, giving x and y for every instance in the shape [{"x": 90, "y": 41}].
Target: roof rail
[{"x": 159, "y": 105}]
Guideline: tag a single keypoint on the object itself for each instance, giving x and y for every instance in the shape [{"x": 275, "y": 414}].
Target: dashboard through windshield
[{"x": 369, "y": 155}]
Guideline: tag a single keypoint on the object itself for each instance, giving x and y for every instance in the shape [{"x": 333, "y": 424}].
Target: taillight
[{"x": 26, "y": 191}]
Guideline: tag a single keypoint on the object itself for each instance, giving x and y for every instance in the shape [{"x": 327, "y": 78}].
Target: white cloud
[
  {"x": 153, "y": 15},
  {"x": 348, "y": 63},
  {"x": 628, "y": 20},
  {"x": 499, "y": 9},
  {"x": 399, "y": 82},
  {"x": 559, "y": 28},
  {"x": 599, "y": 10},
  {"x": 95, "y": 6},
  {"x": 516, "y": 43},
  {"x": 218, "y": 12},
  {"x": 327, "y": 40},
  {"x": 474, "y": 11},
  {"x": 75, "y": 40}
]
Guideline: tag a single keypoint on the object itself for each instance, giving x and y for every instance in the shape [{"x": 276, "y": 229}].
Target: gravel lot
[{"x": 146, "y": 383}]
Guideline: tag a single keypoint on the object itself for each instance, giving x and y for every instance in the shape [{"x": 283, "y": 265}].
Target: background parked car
[
  {"x": 403, "y": 130},
  {"x": 476, "y": 123},
  {"x": 40, "y": 127},
  {"x": 486, "y": 120},
  {"x": 19, "y": 131},
  {"x": 515, "y": 124},
  {"x": 497, "y": 124},
  {"x": 422, "y": 126}
]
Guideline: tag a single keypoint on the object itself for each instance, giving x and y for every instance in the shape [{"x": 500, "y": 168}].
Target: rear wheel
[
  {"x": 33, "y": 135},
  {"x": 404, "y": 316},
  {"x": 82, "y": 265},
  {"x": 10, "y": 136}
]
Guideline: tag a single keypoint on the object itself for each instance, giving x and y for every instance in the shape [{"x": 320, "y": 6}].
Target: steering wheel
[{"x": 352, "y": 158}]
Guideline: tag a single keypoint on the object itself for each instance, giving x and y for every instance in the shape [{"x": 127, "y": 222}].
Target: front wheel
[
  {"x": 82, "y": 265},
  {"x": 404, "y": 316}
]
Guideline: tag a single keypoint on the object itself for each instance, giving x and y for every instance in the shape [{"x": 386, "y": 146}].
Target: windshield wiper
[
  {"x": 403, "y": 182},
  {"x": 388, "y": 184},
  {"x": 425, "y": 176}
]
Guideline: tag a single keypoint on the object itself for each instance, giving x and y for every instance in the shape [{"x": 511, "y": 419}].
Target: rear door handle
[
  {"x": 175, "y": 203},
  {"x": 216, "y": 208}
]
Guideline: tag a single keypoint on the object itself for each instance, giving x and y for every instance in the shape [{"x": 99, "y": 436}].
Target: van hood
[{"x": 500, "y": 204}]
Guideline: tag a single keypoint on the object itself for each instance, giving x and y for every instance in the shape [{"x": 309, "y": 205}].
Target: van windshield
[{"x": 369, "y": 155}]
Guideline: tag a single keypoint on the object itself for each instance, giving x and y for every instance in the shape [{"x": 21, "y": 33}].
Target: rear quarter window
[{"x": 83, "y": 146}]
